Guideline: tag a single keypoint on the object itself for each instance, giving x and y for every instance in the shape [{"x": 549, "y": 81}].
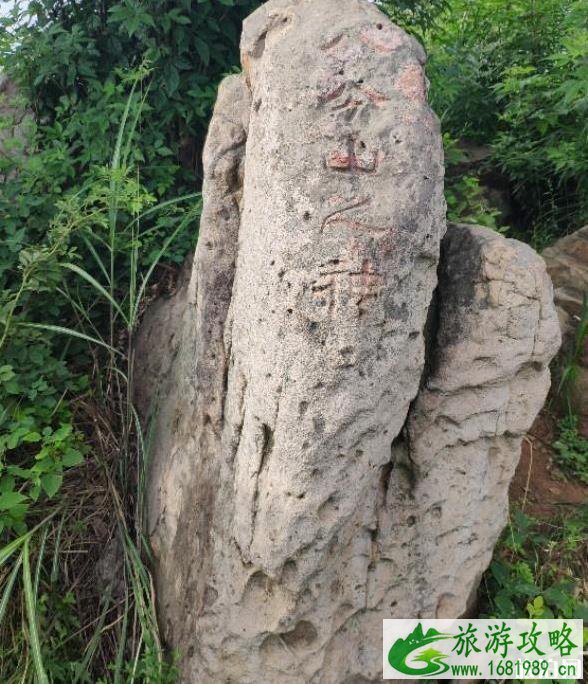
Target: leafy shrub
[
  {"x": 537, "y": 569},
  {"x": 543, "y": 142},
  {"x": 465, "y": 199},
  {"x": 415, "y": 16},
  {"x": 472, "y": 47},
  {"x": 83, "y": 281},
  {"x": 37, "y": 435},
  {"x": 38, "y": 439},
  {"x": 514, "y": 76},
  {"x": 65, "y": 57}
]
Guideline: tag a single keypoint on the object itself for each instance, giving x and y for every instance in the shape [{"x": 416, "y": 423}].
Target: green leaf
[
  {"x": 51, "y": 482},
  {"x": 203, "y": 50},
  {"x": 23, "y": 473},
  {"x": 33, "y": 629},
  {"x": 10, "y": 499},
  {"x": 499, "y": 572},
  {"x": 558, "y": 596},
  {"x": 172, "y": 78},
  {"x": 6, "y": 373},
  {"x": 32, "y": 437},
  {"x": 536, "y": 608},
  {"x": 72, "y": 457},
  {"x": 6, "y": 483},
  {"x": 504, "y": 605},
  {"x": 179, "y": 18},
  {"x": 35, "y": 491}
]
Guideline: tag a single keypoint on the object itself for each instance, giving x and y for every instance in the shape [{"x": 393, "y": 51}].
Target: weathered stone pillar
[
  {"x": 494, "y": 332},
  {"x": 292, "y": 504}
]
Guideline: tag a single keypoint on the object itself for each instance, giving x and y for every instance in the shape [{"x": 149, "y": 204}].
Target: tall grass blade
[
  {"x": 133, "y": 314},
  {"x": 81, "y": 311},
  {"x": 97, "y": 258},
  {"x": 115, "y": 164},
  {"x": 57, "y": 546},
  {"x": 135, "y": 123},
  {"x": 40, "y": 560},
  {"x": 8, "y": 588},
  {"x": 83, "y": 667},
  {"x": 120, "y": 653},
  {"x": 96, "y": 285},
  {"x": 72, "y": 333},
  {"x": 13, "y": 546},
  {"x": 162, "y": 205},
  {"x": 30, "y": 605},
  {"x": 141, "y": 470}
]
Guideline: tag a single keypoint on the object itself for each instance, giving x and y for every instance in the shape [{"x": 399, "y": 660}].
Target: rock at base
[
  {"x": 494, "y": 333},
  {"x": 567, "y": 264}
]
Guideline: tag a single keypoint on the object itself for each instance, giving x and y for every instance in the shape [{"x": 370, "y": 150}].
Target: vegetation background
[{"x": 99, "y": 184}]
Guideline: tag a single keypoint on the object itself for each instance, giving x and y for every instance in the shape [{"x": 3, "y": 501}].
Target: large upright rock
[
  {"x": 282, "y": 415},
  {"x": 292, "y": 504},
  {"x": 339, "y": 240}
]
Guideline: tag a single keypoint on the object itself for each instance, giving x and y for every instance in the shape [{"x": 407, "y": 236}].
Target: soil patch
[{"x": 539, "y": 487}]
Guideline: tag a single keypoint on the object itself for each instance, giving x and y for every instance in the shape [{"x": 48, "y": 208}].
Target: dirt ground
[{"x": 539, "y": 487}]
